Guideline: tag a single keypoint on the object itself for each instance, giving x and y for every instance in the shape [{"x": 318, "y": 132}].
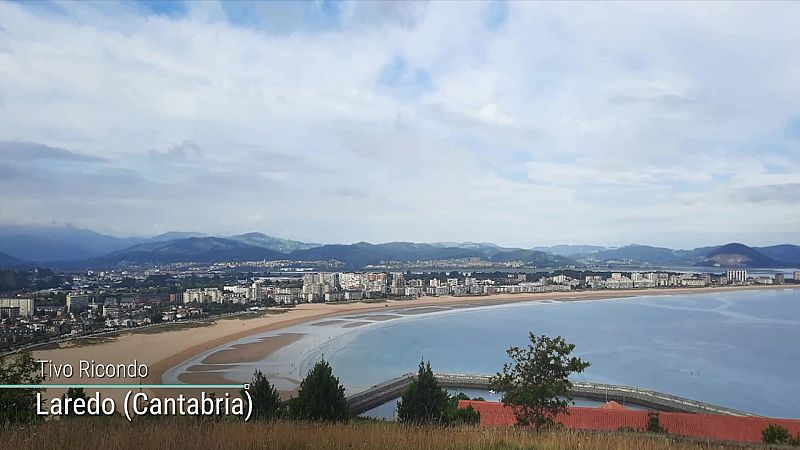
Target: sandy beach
[{"x": 168, "y": 347}]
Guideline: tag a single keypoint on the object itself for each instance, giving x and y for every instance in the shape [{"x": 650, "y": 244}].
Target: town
[{"x": 92, "y": 303}]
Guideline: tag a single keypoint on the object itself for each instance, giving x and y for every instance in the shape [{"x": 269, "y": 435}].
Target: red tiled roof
[
  {"x": 612, "y": 405},
  {"x": 714, "y": 426}
]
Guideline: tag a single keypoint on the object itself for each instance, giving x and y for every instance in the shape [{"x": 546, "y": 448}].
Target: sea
[{"x": 738, "y": 349}]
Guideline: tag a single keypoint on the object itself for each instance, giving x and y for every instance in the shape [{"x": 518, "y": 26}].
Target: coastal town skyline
[{"x": 517, "y": 123}]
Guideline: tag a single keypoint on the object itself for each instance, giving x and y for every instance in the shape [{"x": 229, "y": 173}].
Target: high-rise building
[
  {"x": 398, "y": 284},
  {"x": 202, "y": 295},
  {"x": 398, "y": 280},
  {"x": 737, "y": 276},
  {"x": 11, "y": 312},
  {"x": 779, "y": 278},
  {"x": 25, "y": 305},
  {"x": 77, "y": 303}
]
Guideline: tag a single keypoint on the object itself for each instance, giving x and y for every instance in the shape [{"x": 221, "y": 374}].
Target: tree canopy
[
  {"x": 424, "y": 402},
  {"x": 536, "y": 383},
  {"x": 266, "y": 400},
  {"x": 321, "y": 396},
  {"x": 19, "y": 405}
]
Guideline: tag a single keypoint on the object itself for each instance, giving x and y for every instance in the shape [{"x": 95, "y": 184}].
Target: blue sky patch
[{"x": 403, "y": 80}]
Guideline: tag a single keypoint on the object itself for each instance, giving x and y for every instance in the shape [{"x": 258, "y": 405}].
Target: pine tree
[
  {"x": 321, "y": 397},
  {"x": 424, "y": 401},
  {"x": 266, "y": 400}
]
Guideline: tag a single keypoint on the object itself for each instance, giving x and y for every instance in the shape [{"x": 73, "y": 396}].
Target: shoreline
[{"x": 169, "y": 348}]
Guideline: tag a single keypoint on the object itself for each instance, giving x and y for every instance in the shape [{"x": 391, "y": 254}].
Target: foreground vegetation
[
  {"x": 113, "y": 433},
  {"x": 535, "y": 384}
]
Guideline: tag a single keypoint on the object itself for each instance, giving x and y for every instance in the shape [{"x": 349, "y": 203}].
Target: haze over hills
[
  {"x": 58, "y": 243},
  {"x": 785, "y": 253},
  {"x": 7, "y": 260},
  {"x": 71, "y": 247},
  {"x": 42, "y": 249},
  {"x": 192, "y": 249}
]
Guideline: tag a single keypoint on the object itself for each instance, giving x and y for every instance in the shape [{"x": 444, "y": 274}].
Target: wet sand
[{"x": 252, "y": 351}]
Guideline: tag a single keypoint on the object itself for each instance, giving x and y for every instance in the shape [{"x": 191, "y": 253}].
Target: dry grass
[{"x": 168, "y": 434}]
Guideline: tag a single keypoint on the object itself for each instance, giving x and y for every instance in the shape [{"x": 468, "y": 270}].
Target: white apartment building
[
  {"x": 203, "y": 295},
  {"x": 25, "y": 305},
  {"x": 737, "y": 276}
]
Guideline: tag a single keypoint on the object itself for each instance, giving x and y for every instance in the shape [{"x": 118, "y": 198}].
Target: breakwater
[{"x": 658, "y": 401}]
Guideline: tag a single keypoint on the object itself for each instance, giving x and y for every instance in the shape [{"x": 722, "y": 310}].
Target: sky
[{"x": 525, "y": 124}]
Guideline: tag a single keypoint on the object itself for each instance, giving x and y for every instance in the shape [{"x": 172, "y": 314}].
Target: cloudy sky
[{"x": 673, "y": 124}]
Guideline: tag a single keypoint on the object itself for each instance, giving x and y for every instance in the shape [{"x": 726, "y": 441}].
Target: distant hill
[
  {"x": 251, "y": 247},
  {"x": 173, "y": 235},
  {"x": 473, "y": 245},
  {"x": 363, "y": 253},
  {"x": 729, "y": 255},
  {"x": 642, "y": 253},
  {"x": 785, "y": 253},
  {"x": 738, "y": 255},
  {"x": 41, "y": 249},
  {"x": 531, "y": 257},
  {"x": 68, "y": 246},
  {"x": 194, "y": 249},
  {"x": 7, "y": 260},
  {"x": 56, "y": 243},
  {"x": 272, "y": 243}
]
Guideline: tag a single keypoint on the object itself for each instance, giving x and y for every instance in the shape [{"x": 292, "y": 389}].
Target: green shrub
[
  {"x": 775, "y": 434},
  {"x": 654, "y": 423}
]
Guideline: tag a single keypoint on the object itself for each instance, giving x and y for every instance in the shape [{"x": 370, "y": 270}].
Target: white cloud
[{"x": 599, "y": 123}]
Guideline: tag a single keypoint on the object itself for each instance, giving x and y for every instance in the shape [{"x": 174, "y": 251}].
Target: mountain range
[
  {"x": 728, "y": 255},
  {"x": 213, "y": 249},
  {"x": 70, "y": 247}
]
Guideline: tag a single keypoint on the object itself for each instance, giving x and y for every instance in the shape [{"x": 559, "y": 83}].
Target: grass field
[{"x": 168, "y": 434}]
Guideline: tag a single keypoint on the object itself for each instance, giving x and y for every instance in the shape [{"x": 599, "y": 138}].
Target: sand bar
[{"x": 252, "y": 351}]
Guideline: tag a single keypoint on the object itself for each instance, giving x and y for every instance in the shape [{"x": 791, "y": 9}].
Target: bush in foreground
[
  {"x": 654, "y": 423},
  {"x": 776, "y": 434},
  {"x": 18, "y": 405}
]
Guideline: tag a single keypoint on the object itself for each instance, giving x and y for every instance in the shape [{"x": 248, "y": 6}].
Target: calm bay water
[{"x": 737, "y": 349}]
